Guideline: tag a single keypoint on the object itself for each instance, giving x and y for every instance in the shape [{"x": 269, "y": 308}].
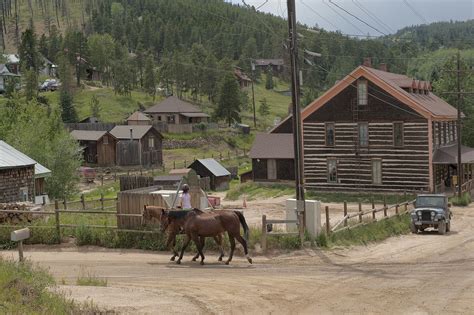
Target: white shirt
[{"x": 186, "y": 201}]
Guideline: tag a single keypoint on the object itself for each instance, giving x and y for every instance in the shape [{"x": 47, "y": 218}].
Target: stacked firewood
[{"x": 15, "y": 218}]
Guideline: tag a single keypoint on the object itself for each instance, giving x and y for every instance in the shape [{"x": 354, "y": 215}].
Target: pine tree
[
  {"x": 269, "y": 80},
  {"x": 28, "y": 51},
  {"x": 95, "y": 106},
  {"x": 66, "y": 97},
  {"x": 149, "y": 77},
  {"x": 228, "y": 105},
  {"x": 263, "y": 109},
  {"x": 31, "y": 84}
]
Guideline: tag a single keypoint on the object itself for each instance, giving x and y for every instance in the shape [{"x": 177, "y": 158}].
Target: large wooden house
[{"x": 380, "y": 131}]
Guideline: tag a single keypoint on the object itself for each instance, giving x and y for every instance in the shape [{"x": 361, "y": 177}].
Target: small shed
[
  {"x": 219, "y": 176},
  {"x": 273, "y": 157},
  {"x": 138, "y": 118},
  {"x": 98, "y": 146}
]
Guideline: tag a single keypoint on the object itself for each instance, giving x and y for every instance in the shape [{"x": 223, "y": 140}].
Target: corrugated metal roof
[
  {"x": 87, "y": 135},
  {"x": 449, "y": 155},
  {"x": 214, "y": 167},
  {"x": 173, "y": 105},
  {"x": 272, "y": 146},
  {"x": 11, "y": 157}
]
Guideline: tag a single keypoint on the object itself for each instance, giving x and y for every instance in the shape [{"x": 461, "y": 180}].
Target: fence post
[
  {"x": 174, "y": 164},
  {"x": 65, "y": 204},
  {"x": 102, "y": 180},
  {"x": 405, "y": 195},
  {"x": 345, "y": 213},
  {"x": 384, "y": 205},
  {"x": 328, "y": 227},
  {"x": 373, "y": 209},
  {"x": 102, "y": 201},
  {"x": 83, "y": 202},
  {"x": 406, "y": 206},
  {"x": 360, "y": 212},
  {"x": 44, "y": 200},
  {"x": 263, "y": 240},
  {"x": 396, "y": 209},
  {"x": 56, "y": 215}
]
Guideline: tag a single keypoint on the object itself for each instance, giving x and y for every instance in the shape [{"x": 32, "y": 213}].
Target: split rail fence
[{"x": 366, "y": 216}]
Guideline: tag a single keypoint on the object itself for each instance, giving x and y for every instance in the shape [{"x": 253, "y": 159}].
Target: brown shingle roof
[
  {"x": 138, "y": 116},
  {"x": 430, "y": 102},
  {"x": 272, "y": 146},
  {"x": 87, "y": 135},
  {"x": 123, "y": 132},
  {"x": 173, "y": 105}
]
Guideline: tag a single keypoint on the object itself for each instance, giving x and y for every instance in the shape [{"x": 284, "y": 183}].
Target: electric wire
[{"x": 373, "y": 16}]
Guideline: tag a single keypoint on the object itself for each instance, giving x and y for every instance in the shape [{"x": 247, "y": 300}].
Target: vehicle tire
[
  {"x": 442, "y": 227},
  {"x": 413, "y": 228},
  {"x": 448, "y": 226}
]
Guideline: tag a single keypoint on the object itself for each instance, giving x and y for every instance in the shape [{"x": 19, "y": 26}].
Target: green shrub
[
  {"x": 462, "y": 201},
  {"x": 322, "y": 240}
]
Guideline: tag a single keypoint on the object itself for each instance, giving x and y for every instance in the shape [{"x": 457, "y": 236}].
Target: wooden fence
[
  {"x": 266, "y": 232},
  {"x": 365, "y": 216}
]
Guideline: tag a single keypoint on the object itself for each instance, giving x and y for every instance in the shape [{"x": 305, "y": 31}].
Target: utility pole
[
  {"x": 458, "y": 75},
  {"x": 295, "y": 97},
  {"x": 253, "y": 95}
]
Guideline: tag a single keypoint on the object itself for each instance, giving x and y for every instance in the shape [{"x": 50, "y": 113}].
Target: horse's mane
[{"x": 177, "y": 214}]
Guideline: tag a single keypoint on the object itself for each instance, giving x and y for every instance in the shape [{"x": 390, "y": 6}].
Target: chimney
[
  {"x": 131, "y": 134},
  {"x": 383, "y": 67},
  {"x": 414, "y": 86},
  {"x": 367, "y": 62}
]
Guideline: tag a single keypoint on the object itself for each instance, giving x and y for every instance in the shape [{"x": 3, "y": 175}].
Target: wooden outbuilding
[
  {"x": 219, "y": 175},
  {"x": 138, "y": 118},
  {"x": 99, "y": 147},
  {"x": 273, "y": 157},
  {"x": 138, "y": 145},
  {"x": 21, "y": 177}
]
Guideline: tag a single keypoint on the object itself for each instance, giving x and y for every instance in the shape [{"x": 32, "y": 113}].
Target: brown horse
[
  {"x": 174, "y": 223},
  {"x": 200, "y": 224}
]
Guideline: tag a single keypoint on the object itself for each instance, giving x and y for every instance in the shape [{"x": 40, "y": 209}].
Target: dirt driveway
[{"x": 421, "y": 274}]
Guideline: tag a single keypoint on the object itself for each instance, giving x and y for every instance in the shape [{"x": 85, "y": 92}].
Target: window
[
  {"x": 332, "y": 171},
  {"x": 24, "y": 193},
  {"x": 377, "y": 172},
  {"x": 362, "y": 92},
  {"x": 151, "y": 142},
  {"x": 170, "y": 119},
  {"x": 445, "y": 131},
  {"x": 106, "y": 140},
  {"x": 159, "y": 118},
  {"x": 398, "y": 134},
  {"x": 363, "y": 134},
  {"x": 329, "y": 134}
]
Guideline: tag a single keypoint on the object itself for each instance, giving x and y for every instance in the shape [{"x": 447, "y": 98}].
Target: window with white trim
[
  {"x": 377, "y": 172},
  {"x": 151, "y": 142},
  {"x": 330, "y": 134},
  {"x": 362, "y": 98},
  {"x": 363, "y": 134},
  {"x": 332, "y": 171}
]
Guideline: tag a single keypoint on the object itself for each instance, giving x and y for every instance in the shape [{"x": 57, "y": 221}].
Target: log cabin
[{"x": 380, "y": 131}]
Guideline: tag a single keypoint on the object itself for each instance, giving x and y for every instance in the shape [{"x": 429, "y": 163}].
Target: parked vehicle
[
  {"x": 431, "y": 210},
  {"x": 49, "y": 85}
]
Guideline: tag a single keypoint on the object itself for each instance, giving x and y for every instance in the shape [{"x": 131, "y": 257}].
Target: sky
[{"x": 391, "y": 15}]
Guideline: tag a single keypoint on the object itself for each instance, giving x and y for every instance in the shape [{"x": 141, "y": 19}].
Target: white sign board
[{"x": 20, "y": 235}]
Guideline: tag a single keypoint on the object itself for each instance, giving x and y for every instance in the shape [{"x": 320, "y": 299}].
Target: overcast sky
[{"x": 392, "y": 14}]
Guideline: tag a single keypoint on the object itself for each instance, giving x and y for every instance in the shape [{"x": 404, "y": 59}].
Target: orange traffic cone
[{"x": 245, "y": 203}]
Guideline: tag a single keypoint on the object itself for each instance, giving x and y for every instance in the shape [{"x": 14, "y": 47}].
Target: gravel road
[{"x": 415, "y": 274}]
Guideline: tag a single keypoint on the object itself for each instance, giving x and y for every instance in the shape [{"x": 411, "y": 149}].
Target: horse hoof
[
  {"x": 172, "y": 259},
  {"x": 227, "y": 262},
  {"x": 194, "y": 259},
  {"x": 178, "y": 262},
  {"x": 202, "y": 263},
  {"x": 219, "y": 259},
  {"x": 250, "y": 260}
]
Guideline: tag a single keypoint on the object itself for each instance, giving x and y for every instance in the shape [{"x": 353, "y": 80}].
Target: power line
[
  {"x": 421, "y": 17},
  {"x": 373, "y": 16},
  {"x": 260, "y": 6},
  {"x": 321, "y": 16},
  {"x": 357, "y": 18},
  {"x": 343, "y": 17}
]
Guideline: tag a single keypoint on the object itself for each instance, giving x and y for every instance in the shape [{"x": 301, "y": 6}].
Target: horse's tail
[{"x": 244, "y": 224}]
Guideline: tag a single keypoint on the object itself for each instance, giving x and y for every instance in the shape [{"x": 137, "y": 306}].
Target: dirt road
[{"x": 415, "y": 274}]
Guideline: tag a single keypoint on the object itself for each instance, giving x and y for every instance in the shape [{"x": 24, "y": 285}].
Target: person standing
[{"x": 186, "y": 198}]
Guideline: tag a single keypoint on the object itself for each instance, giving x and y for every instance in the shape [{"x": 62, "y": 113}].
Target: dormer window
[{"x": 362, "y": 92}]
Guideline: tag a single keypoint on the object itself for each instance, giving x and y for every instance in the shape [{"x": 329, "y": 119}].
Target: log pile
[{"x": 15, "y": 218}]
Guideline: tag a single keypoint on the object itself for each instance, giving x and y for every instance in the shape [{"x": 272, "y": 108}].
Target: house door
[{"x": 272, "y": 169}]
